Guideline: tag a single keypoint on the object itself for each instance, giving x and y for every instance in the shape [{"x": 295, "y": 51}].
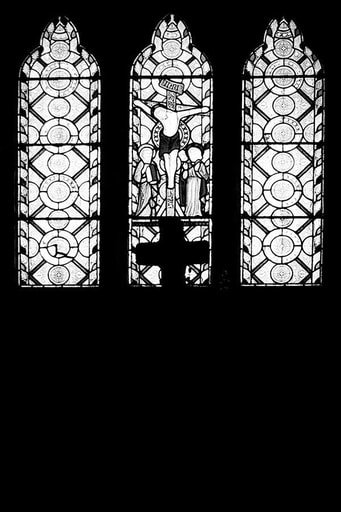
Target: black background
[
  {"x": 115, "y": 34},
  {"x": 225, "y": 395}
]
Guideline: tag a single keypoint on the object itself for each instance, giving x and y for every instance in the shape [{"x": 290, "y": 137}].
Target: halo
[
  {"x": 184, "y": 134},
  {"x": 145, "y": 146}
]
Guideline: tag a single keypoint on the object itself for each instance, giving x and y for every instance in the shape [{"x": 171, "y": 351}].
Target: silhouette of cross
[{"x": 172, "y": 253}]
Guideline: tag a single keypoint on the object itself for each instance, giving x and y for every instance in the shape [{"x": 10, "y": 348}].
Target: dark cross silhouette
[{"x": 172, "y": 253}]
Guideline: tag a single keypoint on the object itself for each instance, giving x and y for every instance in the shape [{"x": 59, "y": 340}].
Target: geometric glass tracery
[
  {"x": 170, "y": 160},
  {"x": 282, "y": 161},
  {"x": 59, "y": 162}
]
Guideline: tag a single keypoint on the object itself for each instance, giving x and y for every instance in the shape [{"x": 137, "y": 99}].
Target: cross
[
  {"x": 173, "y": 89},
  {"x": 172, "y": 253}
]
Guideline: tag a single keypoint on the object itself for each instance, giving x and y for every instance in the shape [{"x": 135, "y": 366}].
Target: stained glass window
[
  {"x": 170, "y": 180},
  {"x": 59, "y": 162},
  {"x": 282, "y": 161}
]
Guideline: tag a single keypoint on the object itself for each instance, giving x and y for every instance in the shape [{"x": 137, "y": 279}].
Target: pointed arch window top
[
  {"x": 171, "y": 43},
  {"x": 59, "y": 37},
  {"x": 59, "y": 43},
  {"x": 283, "y": 41}
]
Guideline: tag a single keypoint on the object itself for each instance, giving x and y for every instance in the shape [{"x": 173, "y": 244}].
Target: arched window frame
[
  {"x": 172, "y": 57},
  {"x": 59, "y": 162},
  {"x": 282, "y": 161}
]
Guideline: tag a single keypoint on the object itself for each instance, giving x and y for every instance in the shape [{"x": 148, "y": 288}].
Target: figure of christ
[{"x": 170, "y": 135}]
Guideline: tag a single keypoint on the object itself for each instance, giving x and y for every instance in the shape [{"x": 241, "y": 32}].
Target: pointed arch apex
[
  {"x": 59, "y": 28},
  {"x": 285, "y": 38},
  {"x": 171, "y": 40}
]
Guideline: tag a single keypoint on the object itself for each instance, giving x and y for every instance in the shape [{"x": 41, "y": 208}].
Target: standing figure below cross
[{"x": 172, "y": 253}]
